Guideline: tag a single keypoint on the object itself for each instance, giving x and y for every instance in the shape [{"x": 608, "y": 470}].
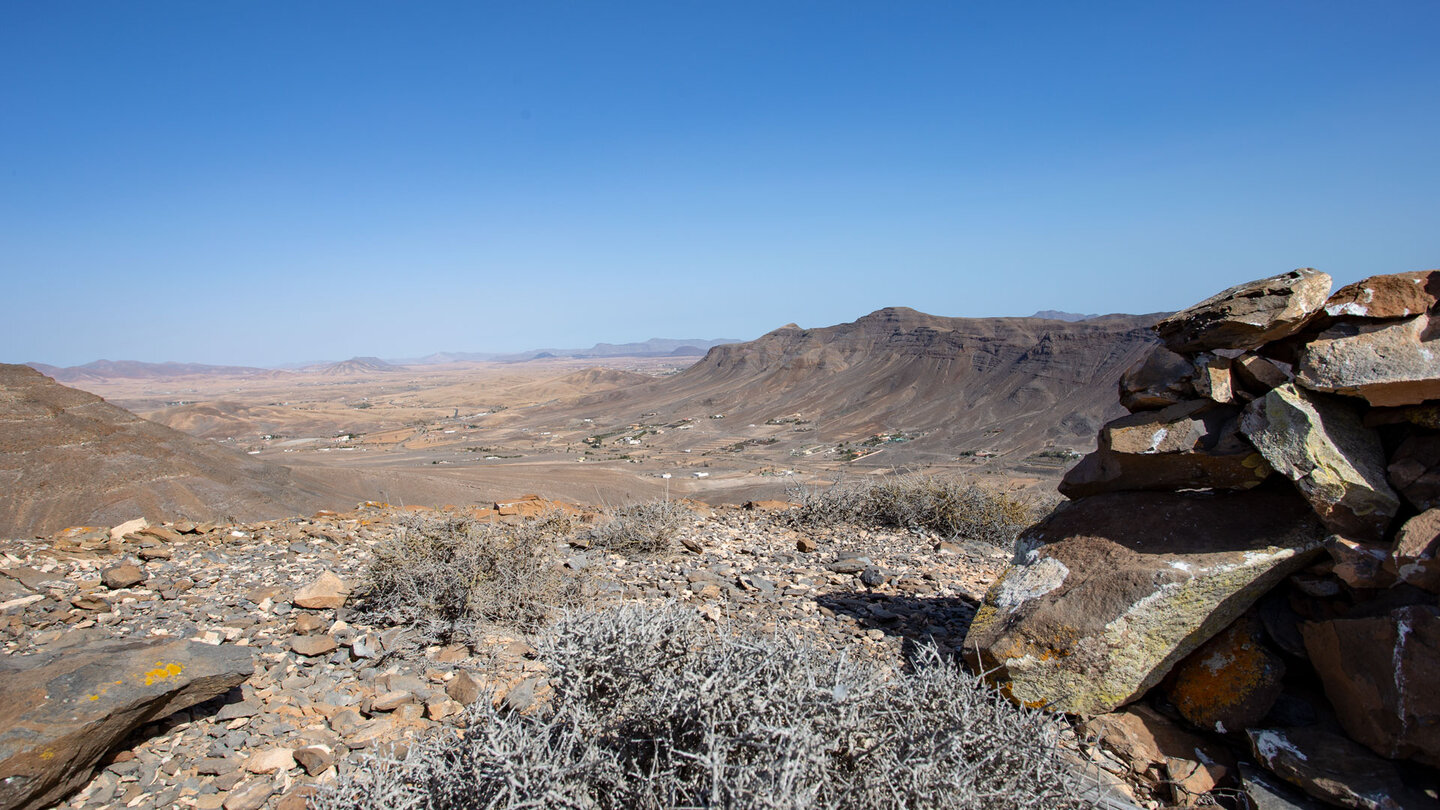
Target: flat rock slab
[
  {"x": 1322, "y": 444},
  {"x": 1247, "y": 315},
  {"x": 1388, "y": 363},
  {"x": 61, "y": 713},
  {"x": 1190, "y": 445},
  {"x": 1380, "y": 674},
  {"x": 1397, "y": 295},
  {"x": 1119, "y": 588},
  {"x": 1334, "y": 769}
]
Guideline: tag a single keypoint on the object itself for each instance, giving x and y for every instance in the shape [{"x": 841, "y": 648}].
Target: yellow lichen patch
[
  {"x": 47, "y": 755},
  {"x": 162, "y": 671},
  {"x": 94, "y": 697}
]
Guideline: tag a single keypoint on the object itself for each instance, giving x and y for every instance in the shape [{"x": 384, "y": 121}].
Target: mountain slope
[
  {"x": 69, "y": 457},
  {"x": 1004, "y": 384}
]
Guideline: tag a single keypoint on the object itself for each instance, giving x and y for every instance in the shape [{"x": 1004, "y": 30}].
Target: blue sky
[{"x": 266, "y": 182}]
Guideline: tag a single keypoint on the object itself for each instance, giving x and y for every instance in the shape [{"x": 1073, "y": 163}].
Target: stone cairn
[{"x": 1243, "y": 583}]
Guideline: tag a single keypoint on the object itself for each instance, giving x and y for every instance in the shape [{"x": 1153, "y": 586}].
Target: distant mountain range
[
  {"x": 654, "y": 347},
  {"x": 1060, "y": 315},
  {"x": 131, "y": 369}
]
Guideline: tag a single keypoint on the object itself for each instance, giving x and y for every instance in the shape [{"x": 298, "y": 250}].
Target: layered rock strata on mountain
[{"x": 1332, "y": 407}]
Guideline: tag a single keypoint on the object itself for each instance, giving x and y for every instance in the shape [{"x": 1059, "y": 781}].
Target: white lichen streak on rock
[
  {"x": 1270, "y": 743},
  {"x": 1397, "y": 661},
  {"x": 1026, "y": 582}
]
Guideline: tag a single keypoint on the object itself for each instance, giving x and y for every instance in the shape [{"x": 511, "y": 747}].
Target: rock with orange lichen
[
  {"x": 1230, "y": 682},
  {"x": 60, "y": 713}
]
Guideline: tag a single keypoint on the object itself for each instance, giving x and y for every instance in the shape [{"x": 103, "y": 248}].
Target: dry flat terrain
[{"x": 1015, "y": 400}]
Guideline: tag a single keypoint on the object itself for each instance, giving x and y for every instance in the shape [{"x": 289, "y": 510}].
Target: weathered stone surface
[
  {"x": 1360, "y": 565},
  {"x": 1388, "y": 363},
  {"x": 1147, "y": 741},
  {"x": 1398, "y": 295},
  {"x": 1333, "y": 769},
  {"x": 1213, "y": 378},
  {"x": 1112, "y": 591},
  {"x": 1162, "y": 379},
  {"x": 1426, "y": 416},
  {"x": 127, "y": 575},
  {"x": 311, "y": 646},
  {"x": 270, "y": 760},
  {"x": 1380, "y": 674},
  {"x": 1266, "y": 792},
  {"x": 1247, "y": 315},
  {"x": 326, "y": 591},
  {"x": 1415, "y": 471},
  {"x": 1259, "y": 374},
  {"x": 61, "y": 712},
  {"x": 1417, "y": 546},
  {"x": 1337, "y": 463},
  {"x": 1230, "y": 682},
  {"x": 1192, "y": 445}
]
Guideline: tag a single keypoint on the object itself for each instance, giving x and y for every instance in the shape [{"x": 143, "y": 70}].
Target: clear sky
[{"x": 266, "y": 182}]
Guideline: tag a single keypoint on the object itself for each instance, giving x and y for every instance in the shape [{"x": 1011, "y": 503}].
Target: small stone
[
  {"x": 306, "y": 623},
  {"x": 127, "y": 575},
  {"x": 806, "y": 545},
  {"x": 1415, "y": 471},
  {"x": 463, "y": 688},
  {"x": 315, "y": 758},
  {"x": 873, "y": 577},
  {"x": 312, "y": 646},
  {"x": 270, "y": 760},
  {"x": 441, "y": 708},
  {"x": 326, "y": 592},
  {"x": 390, "y": 701},
  {"x": 250, "y": 796},
  {"x": 1230, "y": 682},
  {"x": 1417, "y": 546},
  {"x": 1162, "y": 379}
]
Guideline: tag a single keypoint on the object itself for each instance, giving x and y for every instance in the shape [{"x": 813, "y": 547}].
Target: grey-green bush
[
  {"x": 916, "y": 502},
  {"x": 651, "y": 709},
  {"x": 445, "y": 576},
  {"x": 642, "y": 528}
]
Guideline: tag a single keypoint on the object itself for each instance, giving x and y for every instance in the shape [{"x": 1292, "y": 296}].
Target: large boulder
[
  {"x": 1322, "y": 444},
  {"x": 60, "y": 713},
  {"x": 1108, "y": 593},
  {"x": 1380, "y": 674},
  {"x": 1248, "y": 315},
  {"x": 1191, "y": 445},
  {"x": 1398, "y": 295},
  {"x": 1387, "y": 363}
]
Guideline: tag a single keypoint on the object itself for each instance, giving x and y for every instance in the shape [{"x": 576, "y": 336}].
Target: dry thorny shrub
[
  {"x": 642, "y": 528},
  {"x": 446, "y": 576},
  {"x": 653, "y": 710},
  {"x": 918, "y": 503}
]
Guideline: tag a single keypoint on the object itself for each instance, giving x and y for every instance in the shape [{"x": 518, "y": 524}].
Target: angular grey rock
[
  {"x": 1387, "y": 363},
  {"x": 1111, "y": 591},
  {"x": 61, "y": 713},
  {"x": 1322, "y": 444},
  {"x": 1247, "y": 315},
  {"x": 1162, "y": 379},
  {"x": 1191, "y": 445}
]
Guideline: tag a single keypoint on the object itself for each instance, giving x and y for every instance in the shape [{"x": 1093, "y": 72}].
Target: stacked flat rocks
[{"x": 1253, "y": 549}]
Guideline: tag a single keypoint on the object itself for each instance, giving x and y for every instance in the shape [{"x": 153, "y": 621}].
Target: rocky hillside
[
  {"x": 1246, "y": 577},
  {"x": 965, "y": 383},
  {"x": 70, "y": 457}
]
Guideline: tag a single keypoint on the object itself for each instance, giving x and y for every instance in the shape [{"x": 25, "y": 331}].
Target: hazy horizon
[{"x": 261, "y": 184}]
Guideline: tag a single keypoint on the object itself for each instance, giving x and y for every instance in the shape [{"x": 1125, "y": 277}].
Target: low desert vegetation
[
  {"x": 653, "y": 709},
  {"x": 448, "y": 576},
  {"x": 641, "y": 529},
  {"x": 916, "y": 502}
]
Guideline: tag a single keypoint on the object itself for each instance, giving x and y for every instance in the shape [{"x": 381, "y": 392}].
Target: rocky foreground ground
[{"x": 327, "y": 687}]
